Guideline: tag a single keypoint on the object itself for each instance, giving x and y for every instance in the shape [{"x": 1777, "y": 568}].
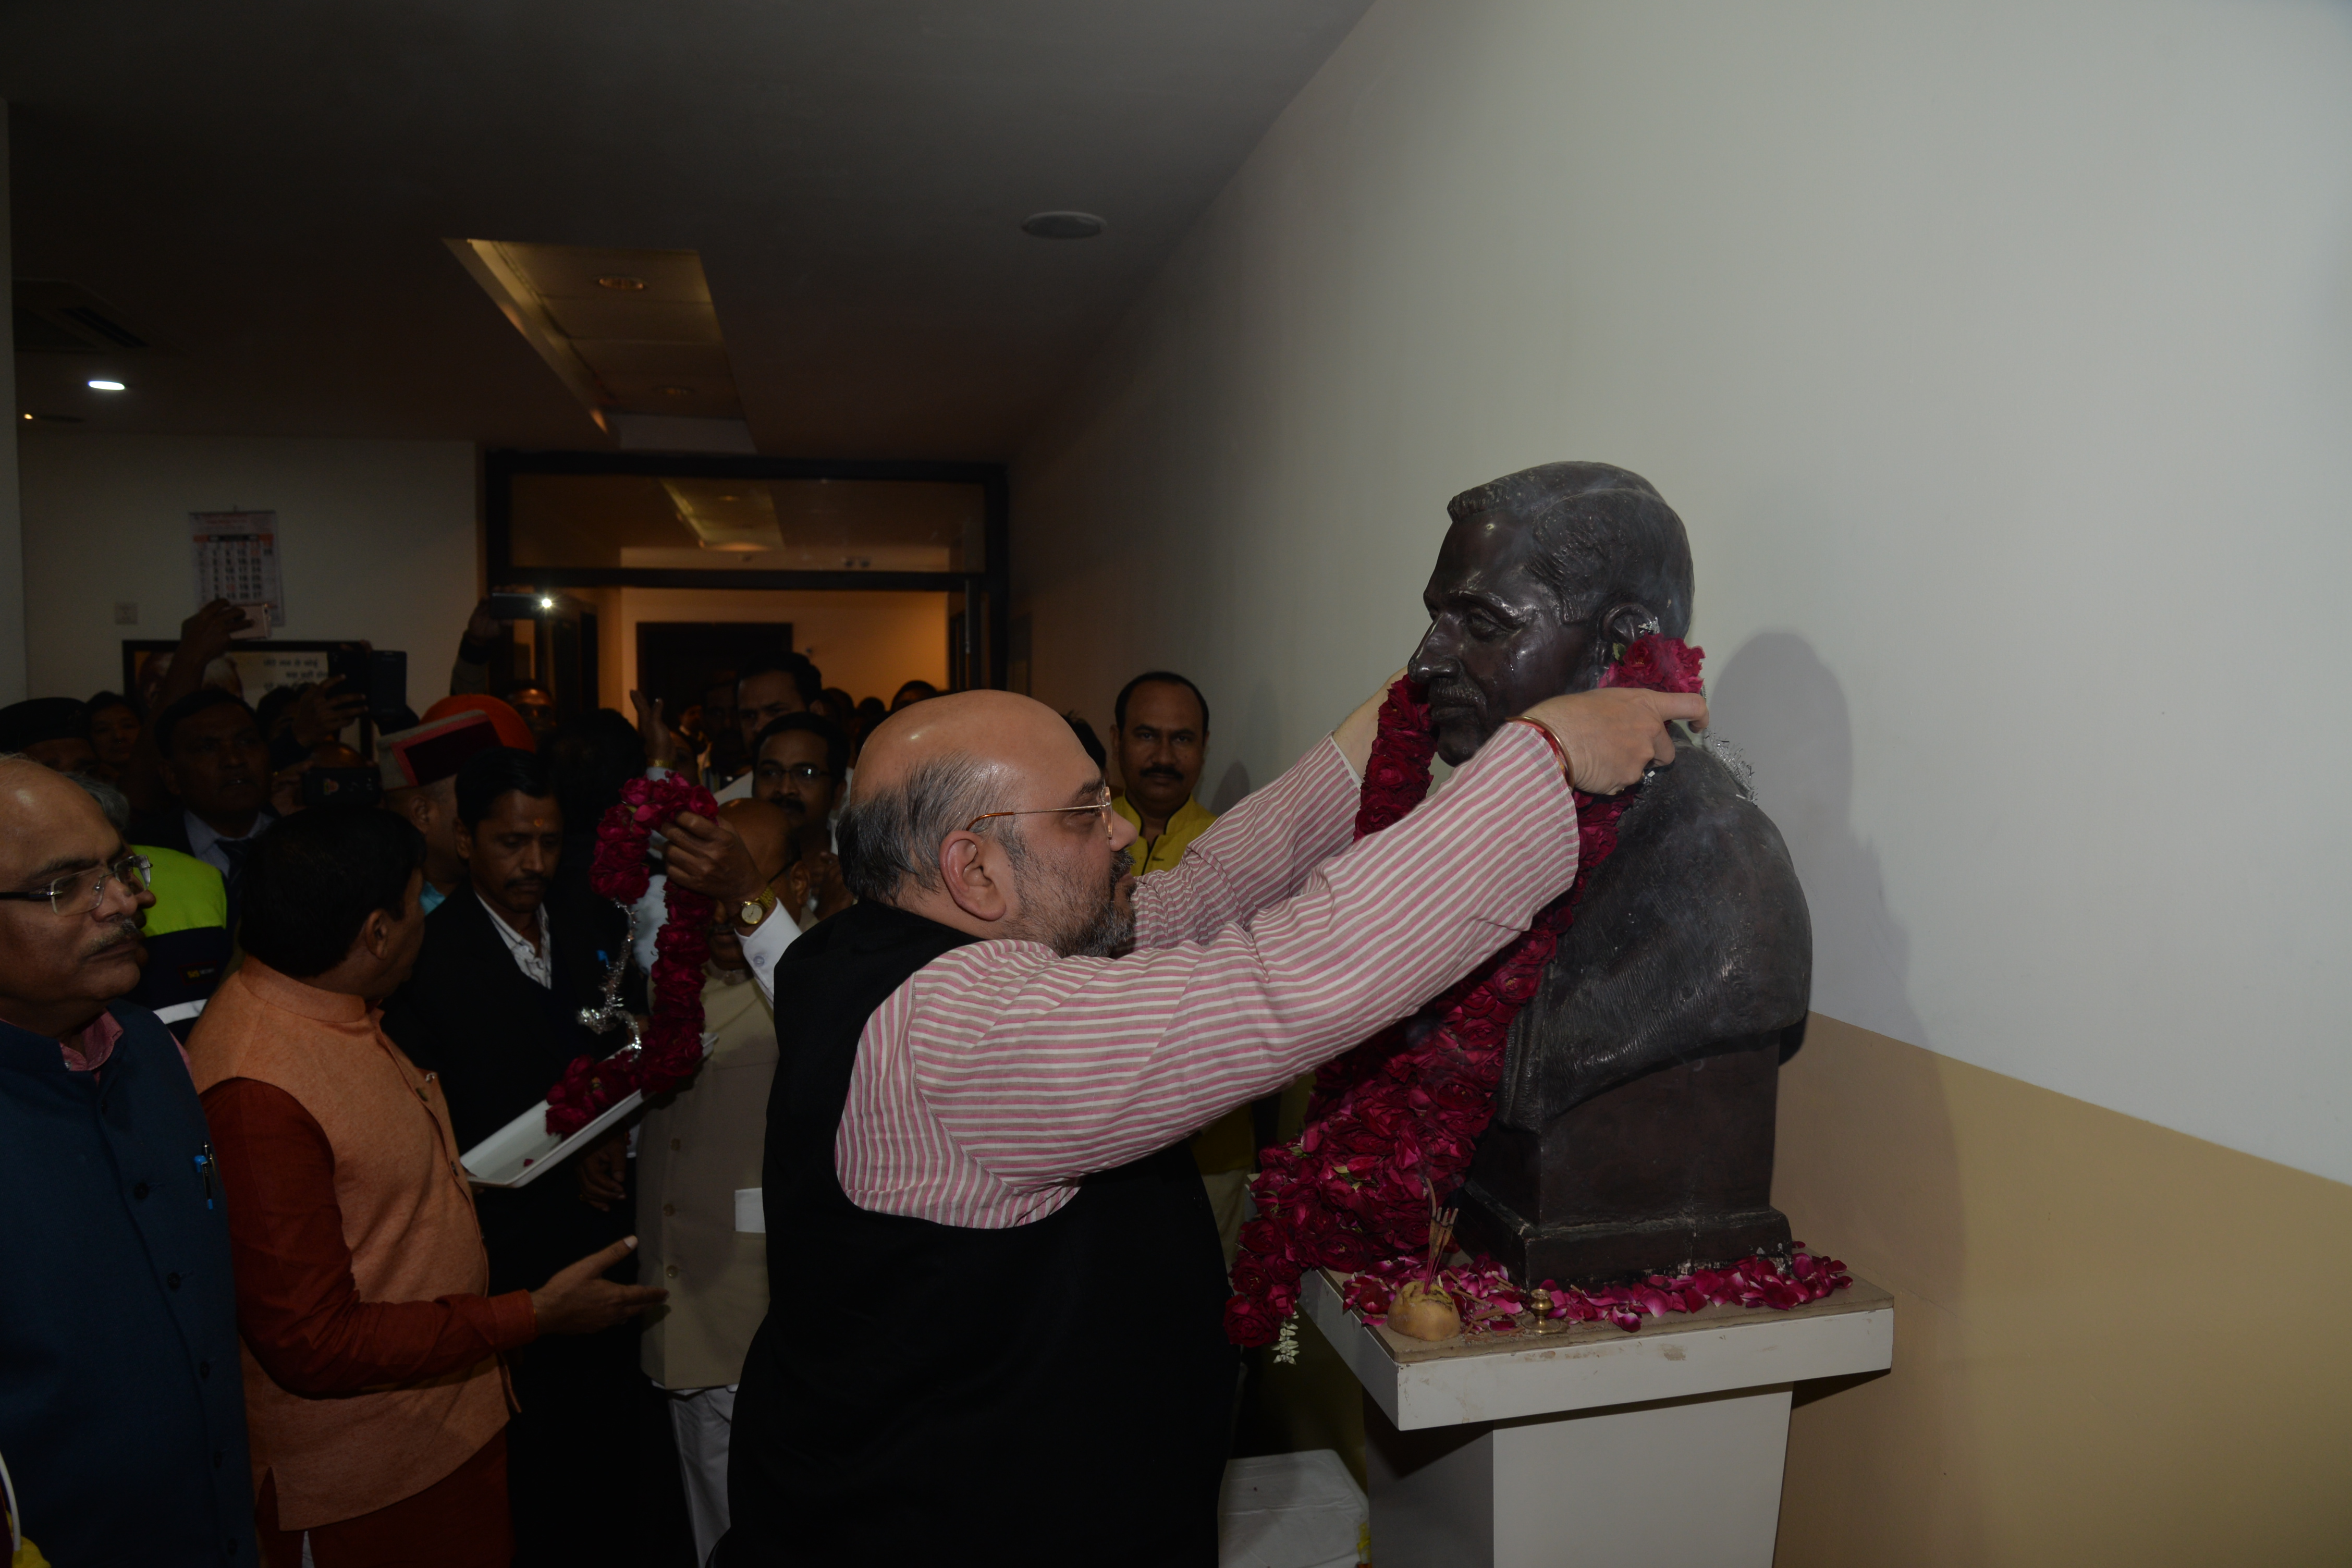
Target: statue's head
[{"x": 1544, "y": 575}]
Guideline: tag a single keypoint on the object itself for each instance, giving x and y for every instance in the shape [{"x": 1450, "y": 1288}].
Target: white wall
[
  {"x": 1999, "y": 358},
  {"x": 377, "y": 539}
]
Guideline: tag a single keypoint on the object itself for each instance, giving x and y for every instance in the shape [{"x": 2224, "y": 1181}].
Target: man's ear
[
  {"x": 963, "y": 867},
  {"x": 464, "y": 842},
  {"x": 1624, "y": 624},
  {"x": 375, "y": 934}
]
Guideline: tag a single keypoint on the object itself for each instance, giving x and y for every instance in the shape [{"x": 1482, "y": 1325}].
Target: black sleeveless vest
[{"x": 1054, "y": 1393}]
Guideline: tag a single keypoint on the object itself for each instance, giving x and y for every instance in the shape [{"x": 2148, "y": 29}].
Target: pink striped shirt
[{"x": 992, "y": 1082}]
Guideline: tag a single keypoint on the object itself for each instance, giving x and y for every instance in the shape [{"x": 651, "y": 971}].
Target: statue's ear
[{"x": 1622, "y": 625}]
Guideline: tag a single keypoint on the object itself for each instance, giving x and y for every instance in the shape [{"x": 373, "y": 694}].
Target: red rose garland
[
  {"x": 672, "y": 1048},
  {"x": 1490, "y": 1302},
  {"x": 1397, "y": 1119}
]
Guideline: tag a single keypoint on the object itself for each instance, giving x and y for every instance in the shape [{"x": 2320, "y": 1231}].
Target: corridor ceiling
[{"x": 264, "y": 190}]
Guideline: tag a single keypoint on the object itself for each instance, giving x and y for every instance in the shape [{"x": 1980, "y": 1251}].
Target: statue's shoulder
[{"x": 1701, "y": 811}]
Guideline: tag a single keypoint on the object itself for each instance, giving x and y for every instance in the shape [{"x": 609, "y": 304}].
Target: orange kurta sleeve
[{"x": 298, "y": 1306}]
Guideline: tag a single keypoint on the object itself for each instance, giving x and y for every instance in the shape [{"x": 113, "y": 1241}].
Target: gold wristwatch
[{"x": 754, "y": 910}]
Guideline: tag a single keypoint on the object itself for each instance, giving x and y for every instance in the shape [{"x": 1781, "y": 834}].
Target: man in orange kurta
[{"x": 373, "y": 1386}]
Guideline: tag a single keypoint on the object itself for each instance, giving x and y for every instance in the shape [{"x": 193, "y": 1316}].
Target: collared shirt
[
  {"x": 87, "y": 1051},
  {"x": 205, "y": 843},
  {"x": 992, "y": 1082},
  {"x": 531, "y": 961},
  {"x": 431, "y": 899},
  {"x": 1190, "y": 820}
]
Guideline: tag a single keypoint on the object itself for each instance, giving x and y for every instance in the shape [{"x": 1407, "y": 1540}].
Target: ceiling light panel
[{"x": 624, "y": 330}]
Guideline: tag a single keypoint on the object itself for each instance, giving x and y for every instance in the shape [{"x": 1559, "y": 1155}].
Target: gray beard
[{"x": 1074, "y": 920}]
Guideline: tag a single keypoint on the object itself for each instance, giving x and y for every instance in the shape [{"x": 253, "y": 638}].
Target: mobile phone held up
[
  {"x": 343, "y": 786},
  {"x": 515, "y": 607},
  {"x": 380, "y": 675}
]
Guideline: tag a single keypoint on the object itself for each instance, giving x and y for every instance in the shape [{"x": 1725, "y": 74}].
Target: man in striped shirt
[{"x": 999, "y": 1253}]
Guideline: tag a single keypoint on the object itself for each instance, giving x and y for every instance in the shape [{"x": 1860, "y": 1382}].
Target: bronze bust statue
[{"x": 1633, "y": 1126}]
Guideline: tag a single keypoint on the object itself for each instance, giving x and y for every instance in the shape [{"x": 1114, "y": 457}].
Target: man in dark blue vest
[
  {"x": 995, "y": 1334},
  {"x": 121, "y": 1407}
]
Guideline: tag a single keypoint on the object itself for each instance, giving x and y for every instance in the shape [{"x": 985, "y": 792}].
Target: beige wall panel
[
  {"x": 867, "y": 642},
  {"x": 2115, "y": 1343}
]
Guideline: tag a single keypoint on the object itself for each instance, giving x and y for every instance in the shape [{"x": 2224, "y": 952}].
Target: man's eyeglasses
[
  {"x": 806, "y": 773},
  {"x": 1099, "y": 806},
  {"x": 82, "y": 892}
]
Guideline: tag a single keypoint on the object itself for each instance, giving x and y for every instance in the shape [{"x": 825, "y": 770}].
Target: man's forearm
[
  {"x": 1080, "y": 1065},
  {"x": 1257, "y": 853},
  {"x": 298, "y": 1305}
]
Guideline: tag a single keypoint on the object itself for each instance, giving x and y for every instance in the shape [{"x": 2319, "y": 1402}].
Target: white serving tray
[{"x": 523, "y": 1150}]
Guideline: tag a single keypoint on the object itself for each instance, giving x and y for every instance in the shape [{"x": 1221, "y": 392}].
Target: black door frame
[{"x": 986, "y": 594}]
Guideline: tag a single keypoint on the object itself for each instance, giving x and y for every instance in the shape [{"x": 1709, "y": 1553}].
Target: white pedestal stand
[{"x": 1593, "y": 1446}]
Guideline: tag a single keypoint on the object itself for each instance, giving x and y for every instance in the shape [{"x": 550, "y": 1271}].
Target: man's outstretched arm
[{"x": 1262, "y": 851}]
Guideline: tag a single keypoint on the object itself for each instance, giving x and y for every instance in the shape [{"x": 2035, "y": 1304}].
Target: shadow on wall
[
  {"x": 1785, "y": 711},
  {"x": 1253, "y": 736},
  {"x": 1867, "y": 1164}
]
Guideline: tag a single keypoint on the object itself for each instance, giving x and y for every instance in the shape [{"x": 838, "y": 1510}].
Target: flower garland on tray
[
  {"x": 672, "y": 1047},
  {"x": 1490, "y": 1302},
  {"x": 1393, "y": 1123}
]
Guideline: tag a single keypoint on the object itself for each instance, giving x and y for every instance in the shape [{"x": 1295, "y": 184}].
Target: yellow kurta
[{"x": 1160, "y": 854}]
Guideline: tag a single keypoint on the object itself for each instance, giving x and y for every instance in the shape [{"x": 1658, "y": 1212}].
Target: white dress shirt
[{"x": 532, "y": 961}]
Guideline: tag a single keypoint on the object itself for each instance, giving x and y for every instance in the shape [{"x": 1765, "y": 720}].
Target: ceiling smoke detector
[{"x": 1062, "y": 225}]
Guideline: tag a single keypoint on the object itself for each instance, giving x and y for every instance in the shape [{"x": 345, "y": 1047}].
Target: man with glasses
[
  {"x": 122, "y": 1413},
  {"x": 803, "y": 767},
  {"x": 979, "y": 1112}
]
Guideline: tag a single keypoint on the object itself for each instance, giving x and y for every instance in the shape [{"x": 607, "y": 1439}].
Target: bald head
[
  {"x": 1001, "y": 734},
  {"x": 929, "y": 770},
  {"x": 766, "y": 832},
  {"x": 38, "y": 803}
]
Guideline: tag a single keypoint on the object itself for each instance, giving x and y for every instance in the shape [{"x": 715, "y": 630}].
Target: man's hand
[
  {"x": 1613, "y": 736},
  {"x": 482, "y": 626},
  {"x": 711, "y": 858},
  {"x": 206, "y": 636},
  {"x": 817, "y": 876},
  {"x": 321, "y": 713},
  {"x": 602, "y": 1171},
  {"x": 575, "y": 1302},
  {"x": 660, "y": 740}
]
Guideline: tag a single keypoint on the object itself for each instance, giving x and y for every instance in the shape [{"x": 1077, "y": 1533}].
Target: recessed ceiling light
[
  {"x": 623, "y": 283},
  {"x": 675, "y": 391},
  {"x": 1063, "y": 226},
  {"x": 105, "y": 386}
]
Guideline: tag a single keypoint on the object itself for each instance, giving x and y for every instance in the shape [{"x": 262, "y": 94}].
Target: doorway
[
  {"x": 680, "y": 662},
  {"x": 693, "y": 564}
]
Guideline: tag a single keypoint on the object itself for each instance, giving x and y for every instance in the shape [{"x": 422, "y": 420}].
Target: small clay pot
[{"x": 1424, "y": 1312}]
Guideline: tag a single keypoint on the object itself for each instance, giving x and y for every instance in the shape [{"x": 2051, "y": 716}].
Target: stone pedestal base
[
  {"x": 1592, "y": 1445},
  {"x": 1684, "y": 1480}
]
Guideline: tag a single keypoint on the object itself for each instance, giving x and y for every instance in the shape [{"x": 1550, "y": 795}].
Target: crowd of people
[{"x": 252, "y": 1024}]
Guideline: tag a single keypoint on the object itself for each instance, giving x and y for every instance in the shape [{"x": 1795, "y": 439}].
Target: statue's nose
[{"x": 1433, "y": 653}]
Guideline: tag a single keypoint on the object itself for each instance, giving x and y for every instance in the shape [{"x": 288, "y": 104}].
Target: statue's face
[{"x": 1496, "y": 643}]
